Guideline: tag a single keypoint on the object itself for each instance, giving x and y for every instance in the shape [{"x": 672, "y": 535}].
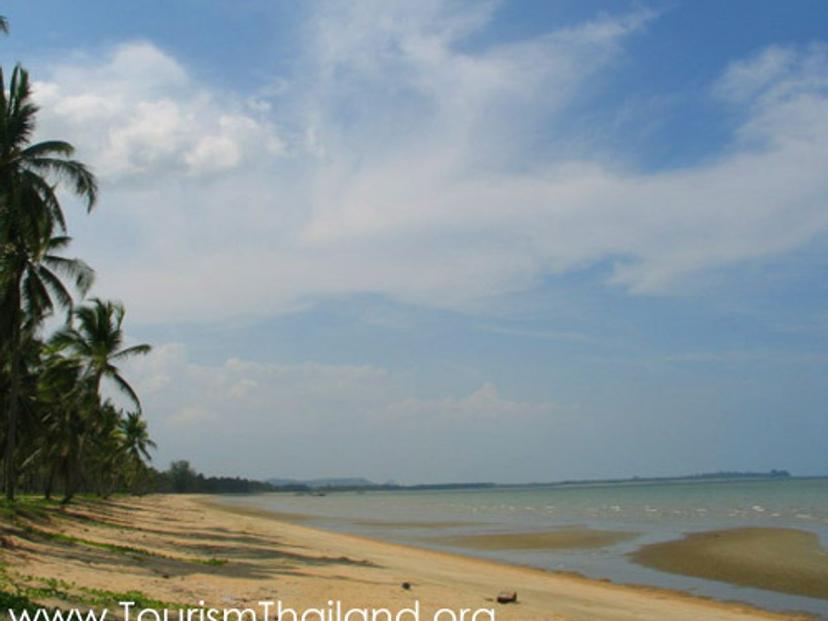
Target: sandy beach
[{"x": 177, "y": 550}]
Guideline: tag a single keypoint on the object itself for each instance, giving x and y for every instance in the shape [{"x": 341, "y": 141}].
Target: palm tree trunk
[
  {"x": 14, "y": 391},
  {"x": 68, "y": 482},
  {"x": 11, "y": 431},
  {"x": 50, "y": 482}
]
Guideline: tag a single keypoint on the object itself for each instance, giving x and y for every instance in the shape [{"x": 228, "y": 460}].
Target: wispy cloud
[
  {"x": 269, "y": 408},
  {"x": 404, "y": 161}
]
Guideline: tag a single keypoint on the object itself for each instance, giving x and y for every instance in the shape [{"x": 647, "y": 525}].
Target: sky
[{"x": 448, "y": 241}]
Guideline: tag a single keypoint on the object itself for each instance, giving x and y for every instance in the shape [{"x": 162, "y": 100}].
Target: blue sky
[{"x": 457, "y": 241}]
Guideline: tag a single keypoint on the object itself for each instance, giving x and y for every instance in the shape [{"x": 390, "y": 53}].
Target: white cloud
[
  {"x": 775, "y": 73},
  {"x": 409, "y": 166},
  {"x": 137, "y": 113}
]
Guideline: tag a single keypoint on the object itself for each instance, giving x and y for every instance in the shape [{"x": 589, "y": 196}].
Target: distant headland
[
  {"x": 181, "y": 477},
  {"x": 361, "y": 484}
]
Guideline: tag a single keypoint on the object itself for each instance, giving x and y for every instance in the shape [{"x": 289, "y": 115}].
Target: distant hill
[
  {"x": 357, "y": 483},
  {"x": 342, "y": 482}
]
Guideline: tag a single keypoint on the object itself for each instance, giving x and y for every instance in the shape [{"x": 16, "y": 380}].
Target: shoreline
[
  {"x": 182, "y": 549},
  {"x": 787, "y": 561},
  {"x": 497, "y": 565}
]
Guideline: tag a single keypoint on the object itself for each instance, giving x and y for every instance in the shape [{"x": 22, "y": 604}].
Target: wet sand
[
  {"x": 564, "y": 539},
  {"x": 778, "y": 559}
]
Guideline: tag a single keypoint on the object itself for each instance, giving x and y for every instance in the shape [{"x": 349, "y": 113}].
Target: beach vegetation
[{"x": 58, "y": 428}]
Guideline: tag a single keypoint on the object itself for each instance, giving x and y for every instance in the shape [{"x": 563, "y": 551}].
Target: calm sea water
[{"x": 658, "y": 512}]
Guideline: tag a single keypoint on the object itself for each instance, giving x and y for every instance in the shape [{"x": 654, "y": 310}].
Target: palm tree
[
  {"x": 63, "y": 398},
  {"x": 25, "y": 168},
  {"x": 41, "y": 285},
  {"x": 136, "y": 445},
  {"x": 106, "y": 457},
  {"x": 33, "y": 264},
  {"x": 136, "y": 438},
  {"x": 98, "y": 341},
  {"x": 30, "y": 214}
]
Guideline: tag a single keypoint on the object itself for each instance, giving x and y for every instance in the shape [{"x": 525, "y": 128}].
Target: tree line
[
  {"x": 181, "y": 478},
  {"x": 60, "y": 432}
]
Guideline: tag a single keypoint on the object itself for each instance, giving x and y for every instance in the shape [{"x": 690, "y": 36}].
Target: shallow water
[{"x": 658, "y": 512}]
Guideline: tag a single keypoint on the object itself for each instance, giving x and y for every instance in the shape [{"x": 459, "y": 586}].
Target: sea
[{"x": 655, "y": 511}]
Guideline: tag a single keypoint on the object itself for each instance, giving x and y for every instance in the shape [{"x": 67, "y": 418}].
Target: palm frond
[
  {"x": 126, "y": 389},
  {"x": 130, "y": 352},
  {"x": 48, "y": 148},
  {"x": 58, "y": 242},
  {"x": 43, "y": 198},
  {"x": 69, "y": 338},
  {"x": 36, "y": 300},
  {"x": 20, "y": 110},
  {"x": 72, "y": 171},
  {"x": 76, "y": 269},
  {"x": 56, "y": 287}
]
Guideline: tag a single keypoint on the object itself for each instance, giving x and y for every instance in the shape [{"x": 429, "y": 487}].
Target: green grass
[
  {"x": 215, "y": 562},
  {"x": 49, "y": 591},
  {"x": 27, "y": 507},
  {"x": 14, "y": 596},
  {"x": 29, "y": 589},
  {"x": 16, "y": 602}
]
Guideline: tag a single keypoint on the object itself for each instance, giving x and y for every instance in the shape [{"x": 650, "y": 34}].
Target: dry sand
[
  {"x": 777, "y": 559},
  {"x": 184, "y": 549},
  {"x": 564, "y": 539}
]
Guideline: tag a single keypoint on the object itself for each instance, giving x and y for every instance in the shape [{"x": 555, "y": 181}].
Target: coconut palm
[
  {"x": 41, "y": 284},
  {"x": 63, "y": 398},
  {"x": 32, "y": 262},
  {"x": 30, "y": 215},
  {"x": 136, "y": 438},
  {"x": 21, "y": 161},
  {"x": 136, "y": 445},
  {"x": 98, "y": 340},
  {"x": 106, "y": 457},
  {"x": 30, "y": 212}
]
